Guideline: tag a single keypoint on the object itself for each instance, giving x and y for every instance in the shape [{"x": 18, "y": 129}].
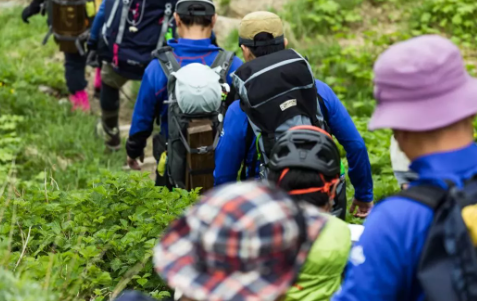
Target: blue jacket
[
  {"x": 231, "y": 149},
  {"x": 383, "y": 263},
  {"x": 153, "y": 90},
  {"x": 97, "y": 23}
]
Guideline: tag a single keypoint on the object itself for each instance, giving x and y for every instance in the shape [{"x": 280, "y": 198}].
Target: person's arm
[
  {"x": 383, "y": 263},
  {"x": 97, "y": 24},
  {"x": 149, "y": 102},
  {"x": 31, "y": 10},
  {"x": 345, "y": 131},
  {"x": 230, "y": 152}
]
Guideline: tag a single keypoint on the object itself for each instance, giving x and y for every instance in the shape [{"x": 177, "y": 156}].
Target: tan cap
[{"x": 257, "y": 22}]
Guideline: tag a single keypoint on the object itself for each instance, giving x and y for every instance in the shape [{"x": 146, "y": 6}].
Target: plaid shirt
[{"x": 241, "y": 242}]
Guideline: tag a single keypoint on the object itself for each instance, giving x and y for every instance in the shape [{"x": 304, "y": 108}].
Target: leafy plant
[
  {"x": 89, "y": 243},
  {"x": 455, "y": 17},
  {"x": 13, "y": 288},
  {"x": 311, "y": 17}
]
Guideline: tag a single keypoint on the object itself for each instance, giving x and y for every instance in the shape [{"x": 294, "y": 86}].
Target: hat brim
[
  {"x": 427, "y": 114},
  {"x": 179, "y": 267}
]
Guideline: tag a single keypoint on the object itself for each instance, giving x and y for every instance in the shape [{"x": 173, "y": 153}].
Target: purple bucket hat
[{"x": 422, "y": 85}]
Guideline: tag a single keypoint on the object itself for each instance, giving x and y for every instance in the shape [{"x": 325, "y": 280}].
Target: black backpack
[
  {"x": 178, "y": 148},
  {"x": 273, "y": 89},
  {"x": 448, "y": 266}
]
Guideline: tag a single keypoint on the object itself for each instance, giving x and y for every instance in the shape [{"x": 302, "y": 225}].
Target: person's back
[
  {"x": 262, "y": 41},
  {"x": 195, "y": 20},
  {"x": 426, "y": 96},
  {"x": 305, "y": 162}
]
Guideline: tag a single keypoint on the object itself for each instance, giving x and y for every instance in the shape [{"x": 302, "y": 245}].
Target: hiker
[
  {"x": 400, "y": 164},
  {"x": 262, "y": 38},
  {"x": 305, "y": 162},
  {"x": 415, "y": 245},
  {"x": 70, "y": 33},
  {"x": 245, "y": 241},
  {"x": 195, "y": 88},
  {"x": 123, "y": 38}
]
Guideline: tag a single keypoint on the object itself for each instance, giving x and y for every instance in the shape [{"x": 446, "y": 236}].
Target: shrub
[
  {"x": 89, "y": 243},
  {"x": 13, "y": 288},
  {"x": 455, "y": 17},
  {"x": 311, "y": 17}
]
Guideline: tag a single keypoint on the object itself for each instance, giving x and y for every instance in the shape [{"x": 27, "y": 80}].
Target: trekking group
[{"x": 240, "y": 130}]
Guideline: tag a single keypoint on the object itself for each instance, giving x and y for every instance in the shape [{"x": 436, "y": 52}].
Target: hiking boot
[
  {"x": 111, "y": 137},
  {"x": 80, "y": 101},
  {"x": 97, "y": 83}
]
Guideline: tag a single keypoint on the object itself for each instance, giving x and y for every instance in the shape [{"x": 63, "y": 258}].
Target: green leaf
[
  {"x": 457, "y": 20},
  {"x": 142, "y": 282}
]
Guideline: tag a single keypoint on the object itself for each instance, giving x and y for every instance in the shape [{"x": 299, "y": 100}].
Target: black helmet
[{"x": 306, "y": 147}]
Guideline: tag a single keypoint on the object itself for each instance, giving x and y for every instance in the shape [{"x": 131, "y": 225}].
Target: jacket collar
[{"x": 456, "y": 165}]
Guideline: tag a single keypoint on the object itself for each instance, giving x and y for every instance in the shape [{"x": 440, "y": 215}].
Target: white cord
[{"x": 134, "y": 23}]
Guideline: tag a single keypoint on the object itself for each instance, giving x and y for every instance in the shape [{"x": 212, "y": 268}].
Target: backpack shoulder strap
[
  {"x": 223, "y": 60},
  {"x": 325, "y": 113},
  {"x": 165, "y": 25},
  {"x": 250, "y": 136},
  {"x": 429, "y": 195},
  {"x": 122, "y": 23},
  {"x": 167, "y": 60}
]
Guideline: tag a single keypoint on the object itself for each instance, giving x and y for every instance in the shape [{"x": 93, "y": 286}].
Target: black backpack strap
[
  {"x": 167, "y": 60},
  {"x": 248, "y": 143},
  {"x": 325, "y": 113},
  {"x": 223, "y": 60},
  {"x": 429, "y": 195}
]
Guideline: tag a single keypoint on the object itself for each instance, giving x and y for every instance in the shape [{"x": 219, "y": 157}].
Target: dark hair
[
  {"x": 191, "y": 20},
  {"x": 265, "y": 50},
  {"x": 299, "y": 178}
]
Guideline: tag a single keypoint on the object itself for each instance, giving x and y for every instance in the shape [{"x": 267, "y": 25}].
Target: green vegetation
[
  {"x": 90, "y": 243},
  {"x": 73, "y": 226},
  {"x": 455, "y": 17}
]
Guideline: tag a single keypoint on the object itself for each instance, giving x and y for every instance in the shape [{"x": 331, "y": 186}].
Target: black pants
[{"x": 75, "y": 66}]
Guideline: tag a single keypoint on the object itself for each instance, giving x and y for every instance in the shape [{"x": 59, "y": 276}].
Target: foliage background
[{"x": 74, "y": 226}]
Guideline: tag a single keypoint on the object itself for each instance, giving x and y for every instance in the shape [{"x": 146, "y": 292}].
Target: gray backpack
[{"x": 196, "y": 96}]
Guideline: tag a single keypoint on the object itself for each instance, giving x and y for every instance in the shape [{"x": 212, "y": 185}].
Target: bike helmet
[{"x": 306, "y": 147}]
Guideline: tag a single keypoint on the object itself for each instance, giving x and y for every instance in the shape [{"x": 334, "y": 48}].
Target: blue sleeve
[
  {"x": 149, "y": 102},
  {"x": 230, "y": 152},
  {"x": 98, "y": 23},
  {"x": 383, "y": 264},
  {"x": 237, "y": 62},
  {"x": 345, "y": 131}
]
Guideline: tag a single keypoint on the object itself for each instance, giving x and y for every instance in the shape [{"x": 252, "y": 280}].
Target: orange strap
[{"x": 326, "y": 188}]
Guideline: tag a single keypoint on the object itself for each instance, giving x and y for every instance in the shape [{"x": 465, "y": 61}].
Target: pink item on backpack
[
  {"x": 97, "y": 79},
  {"x": 80, "y": 101}
]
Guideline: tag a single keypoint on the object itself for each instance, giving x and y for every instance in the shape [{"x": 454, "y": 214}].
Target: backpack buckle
[
  {"x": 168, "y": 10},
  {"x": 202, "y": 150}
]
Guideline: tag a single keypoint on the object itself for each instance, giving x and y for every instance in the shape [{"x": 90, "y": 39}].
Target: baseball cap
[
  {"x": 245, "y": 241},
  {"x": 258, "y": 22},
  {"x": 183, "y": 7},
  {"x": 421, "y": 85}
]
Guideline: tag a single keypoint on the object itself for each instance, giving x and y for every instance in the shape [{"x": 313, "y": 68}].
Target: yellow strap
[
  {"x": 90, "y": 9},
  {"x": 469, "y": 214}
]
